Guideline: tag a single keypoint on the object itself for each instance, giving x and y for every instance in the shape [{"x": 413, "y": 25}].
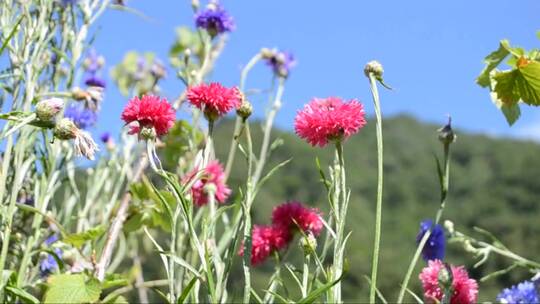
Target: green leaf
[
  {"x": 183, "y": 296},
  {"x": 72, "y": 288},
  {"x": 492, "y": 61},
  {"x": 511, "y": 113},
  {"x": 114, "y": 280},
  {"x": 312, "y": 296},
  {"x": 11, "y": 34},
  {"x": 78, "y": 239},
  {"x": 117, "y": 300},
  {"x": 23, "y": 295},
  {"x": 520, "y": 84}
]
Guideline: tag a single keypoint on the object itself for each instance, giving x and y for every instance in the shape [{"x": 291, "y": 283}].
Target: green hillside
[{"x": 493, "y": 185}]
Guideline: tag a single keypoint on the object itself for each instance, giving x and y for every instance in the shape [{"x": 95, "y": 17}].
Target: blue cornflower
[
  {"x": 281, "y": 62},
  {"x": 215, "y": 19},
  {"x": 524, "y": 292},
  {"x": 436, "y": 243},
  {"x": 95, "y": 81},
  {"x": 49, "y": 263},
  {"x": 105, "y": 137},
  {"x": 82, "y": 117}
]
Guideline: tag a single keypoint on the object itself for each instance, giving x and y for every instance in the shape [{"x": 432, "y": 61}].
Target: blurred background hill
[{"x": 493, "y": 185}]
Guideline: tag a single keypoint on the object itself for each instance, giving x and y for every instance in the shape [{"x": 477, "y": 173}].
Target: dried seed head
[{"x": 65, "y": 129}]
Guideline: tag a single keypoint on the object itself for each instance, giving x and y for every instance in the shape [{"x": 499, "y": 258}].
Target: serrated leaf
[
  {"x": 492, "y": 61},
  {"x": 72, "y": 288},
  {"x": 520, "y": 84},
  {"x": 78, "y": 239}
]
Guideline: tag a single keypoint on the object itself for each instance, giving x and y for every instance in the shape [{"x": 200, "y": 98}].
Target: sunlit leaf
[{"x": 72, "y": 288}]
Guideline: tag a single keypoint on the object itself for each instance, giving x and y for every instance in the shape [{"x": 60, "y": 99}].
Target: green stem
[
  {"x": 444, "y": 191},
  {"x": 246, "y": 261},
  {"x": 239, "y": 123},
  {"x": 378, "y": 210}
]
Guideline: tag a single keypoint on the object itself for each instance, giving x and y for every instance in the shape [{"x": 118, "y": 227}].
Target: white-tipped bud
[
  {"x": 148, "y": 133},
  {"x": 47, "y": 109},
  {"x": 245, "y": 109},
  {"x": 374, "y": 67}
]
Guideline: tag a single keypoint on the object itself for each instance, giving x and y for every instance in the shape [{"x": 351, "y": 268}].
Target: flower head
[
  {"x": 465, "y": 290},
  {"x": 93, "y": 62},
  {"x": 328, "y": 119},
  {"x": 293, "y": 215},
  {"x": 82, "y": 117},
  {"x": 215, "y": 19},
  {"x": 214, "y": 99},
  {"x": 84, "y": 145},
  {"x": 149, "y": 112},
  {"x": 47, "y": 109},
  {"x": 212, "y": 176},
  {"x": 435, "y": 245},
  {"x": 281, "y": 62},
  {"x": 265, "y": 240},
  {"x": 524, "y": 292},
  {"x": 105, "y": 137}
]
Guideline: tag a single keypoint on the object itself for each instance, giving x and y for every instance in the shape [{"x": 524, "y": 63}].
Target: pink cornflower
[
  {"x": 213, "y": 175},
  {"x": 465, "y": 290},
  {"x": 329, "y": 119},
  {"x": 149, "y": 112},
  {"x": 294, "y": 215},
  {"x": 214, "y": 99},
  {"x": 265, "y": 240}
]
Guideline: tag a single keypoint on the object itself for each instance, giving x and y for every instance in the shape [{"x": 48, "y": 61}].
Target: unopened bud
[
  {"x": 148, "y": 133},
  {"x": 445, "y": 276},
  {"x": 47, "y": 109},
  {"x": 375, "y": 68},
  {"x": 308, "y": 243},
  {"x": 245, "y": 109},
  {"x": 65, "y": 129},
  {"x": 446, "y": 134},
  {"x": 267, "y": 53}
]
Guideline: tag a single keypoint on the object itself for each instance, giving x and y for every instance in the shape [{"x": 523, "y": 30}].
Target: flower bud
[
  {"x": 245, "y": 109},
  {"x": 267, "y": 53},
  {"x": 446, "y": 134},
  {"x": 308, "y": 243},
  {"x": 79, "y": 94},
  {"x": 47, "y": 109},
  {"x": 445, "y": 277},
  {"x": 148, "y": 133},
  {"x": 375, "y": 68},
  {"x": 65, "y": 129}
]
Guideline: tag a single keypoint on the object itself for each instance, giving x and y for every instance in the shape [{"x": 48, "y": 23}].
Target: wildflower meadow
[{"x": 202, "y": 198}]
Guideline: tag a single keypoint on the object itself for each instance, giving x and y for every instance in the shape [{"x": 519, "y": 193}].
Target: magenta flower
[
  {"x": 150, "y": 112},
  {"x": 213, "y": 175},
  {"x": 265, "y": 240},
  {"x": 214, "y": 99},
  {"x": 294, "y": 215},
  {"x": 465, "y": 290},
  {"x": 329, "y": 119}
]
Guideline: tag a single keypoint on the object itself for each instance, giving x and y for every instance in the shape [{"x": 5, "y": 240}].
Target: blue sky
[{"x": 432, "y": 52}]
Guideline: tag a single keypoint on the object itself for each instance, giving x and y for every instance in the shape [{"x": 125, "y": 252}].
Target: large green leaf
[
  {"x": 72, "y": 288},
  {"x": 520, "y": 84},
  {"x": 78, "y": 239}
]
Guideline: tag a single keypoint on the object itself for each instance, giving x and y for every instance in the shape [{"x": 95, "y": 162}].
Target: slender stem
[
  {"x": 246, "y": 261},
  {"x": 444, "y": 190},
  {"x": 340, "y": 205},
  {"x": 239, "y": 123},
  {"x": 120, "y": 291},
  {"x": 268, "y": 130},
  {"x": 305, "y": 275},
  {"x": 378, "y": 210}
]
